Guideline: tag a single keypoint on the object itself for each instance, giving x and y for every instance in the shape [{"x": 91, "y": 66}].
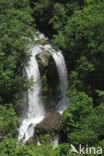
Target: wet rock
[
  {"x": 50, "y": 124},
  {"x": 43, "y": 57}
]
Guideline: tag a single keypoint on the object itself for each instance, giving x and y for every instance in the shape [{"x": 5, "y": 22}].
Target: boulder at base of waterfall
[
  {"x": 50, "y": 124},
  {"x": 43, "y": 58}
]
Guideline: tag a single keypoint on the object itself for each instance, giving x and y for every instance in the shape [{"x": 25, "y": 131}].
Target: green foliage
[
  {"x": 9, "y": 147},
  {"x": 80, "y": 108},
  {"x": 12, "y": 148},
  {"x": 82, "y": 42},
  {"x": 45, "y": 138},
  {"x": 15, "y": 30},
  {"x": 81, "y": 122},
  {"x": 51, "y": 16},
  {"x": 41, "y": 41},
  {"x": 8, "y": 121},
  {"x": 76, "y": 27},
  {"x": 44, "y": 87},
  {"x": 96, "y": 121},
  {"x": 59, "y": 17},
  {"x": 42, "y": 12}
]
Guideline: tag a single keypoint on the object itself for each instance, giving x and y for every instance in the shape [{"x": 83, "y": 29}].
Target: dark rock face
[
  {"x": 49, "y": 125},
  {"x": 50, "y": 78}
]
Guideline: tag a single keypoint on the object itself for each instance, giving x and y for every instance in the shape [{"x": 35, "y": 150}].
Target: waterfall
[
  {"x": 35, "y": 111},
  {"x": 35, "y": 107},
  {"x": 56, "y": 141},
  {"x": 61, "y": 67},
  {"x": 62, "y": 71}
]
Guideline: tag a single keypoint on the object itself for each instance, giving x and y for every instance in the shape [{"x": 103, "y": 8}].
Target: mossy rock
[{"x": 43, "y": 58}]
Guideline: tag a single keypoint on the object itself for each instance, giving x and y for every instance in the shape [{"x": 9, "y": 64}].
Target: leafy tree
[
  {"x": 80, "y": 108},
  {"x": 51, "y": 16},
  {"x": 15, "y": 27},
  {"x": 82, "y": 43},
  {"x": 59, "y": 17},
  {"x": 76, "y": 27},
  {"x": 82, "y": 123},
  {"x": 8, "y": 121}
]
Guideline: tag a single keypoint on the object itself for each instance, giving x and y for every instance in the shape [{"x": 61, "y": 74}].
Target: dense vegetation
[{"x": 77, "y": 28}]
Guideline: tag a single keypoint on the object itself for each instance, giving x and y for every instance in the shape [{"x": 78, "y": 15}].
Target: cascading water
[
  {"x": 62, "y": 71},
  {"x": 35, "y": 111},
  {"x": 61, "y": 67}
]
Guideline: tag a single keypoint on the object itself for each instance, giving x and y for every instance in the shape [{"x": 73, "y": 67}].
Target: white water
[
  {"x": 56, "y": 141},
  {"x": 35, "y": 111},
  {"x": 61, "y": 67},
  {"x": 62, "y": 71}
]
